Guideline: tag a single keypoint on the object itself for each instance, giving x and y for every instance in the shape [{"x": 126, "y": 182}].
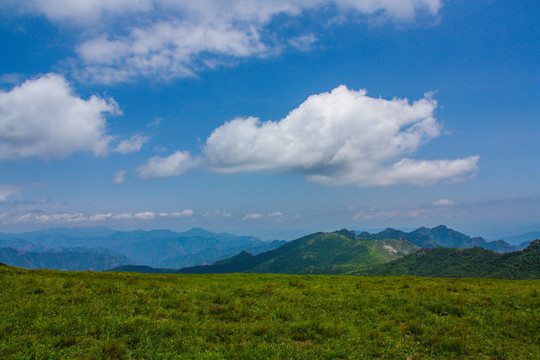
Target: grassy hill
[
  {"x": 87, "y": 315},
  {"x": 474, "y": 262},
  {"x": 320, "y": 253}
]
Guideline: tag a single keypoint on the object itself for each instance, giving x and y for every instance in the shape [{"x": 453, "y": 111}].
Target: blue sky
[{"x": 269, "y": 117}]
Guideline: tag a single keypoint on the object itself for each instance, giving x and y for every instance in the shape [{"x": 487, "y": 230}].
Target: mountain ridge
[
  {"x": 460, "y": 263},
  {"x": 319, "y": 253},
  {"x": 157, "y": 248},
  {"x": 441, "y": 235},
  {"x": 64, "y": 259}
]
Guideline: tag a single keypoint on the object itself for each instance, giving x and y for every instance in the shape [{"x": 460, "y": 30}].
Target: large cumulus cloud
[
  {"x": 335, "y": 138},
  {"x": 43, "y": 117},
  {"x": 338, "y": 138}
]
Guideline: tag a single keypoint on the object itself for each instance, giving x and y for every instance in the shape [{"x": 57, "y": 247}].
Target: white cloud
[
  {"x": 217, "y": 213},
  {"x": 7, "y": 191},
  {"x": 338, "y": 138},
  {"x": 61, "y": 218},
  {"x": 166, "y": 50},
  {"x": 396, "y": 10},
  {"x": 131, "y": 145},
  {"x": 252, "y": 216},
  {"x": 303, "y": 42},
  {"x": 12, "y": 79},
  {"x": 65, "y": 218},
  {"x": 43, "y": 117},
  {"x": 174, "y": 164},
  {"x": 148, "y": 215},
  {"x": 124, "y": 216},
  {"x": 400, "y": 213},
  {"x": 255, "y": 216},
  {"x": 120, "y": 177},
  {"x": 125, "y": 39},
  {"x": 157, "y": 122},
  {"x": 26, "y": 218},
  {"x": 85, "y": 11},
  {"x": 68, "y": 218},
  {"x": 100, "y": 217},
  {"x": 187, "y": 212},
  {"x": 443, "y": 202}
]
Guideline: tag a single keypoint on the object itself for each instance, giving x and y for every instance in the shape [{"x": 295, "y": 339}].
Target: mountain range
[
  {"x": 522, "y": 238},
  {"x": 320, "y": 253},
  {"x": 158, "y": 248},
  {"x": 64, "y": 259},
  {"x": 460, "y": 263},
  {"x": 339, "y": 252},
  {"x": 443, "y": 236},
  {"x": 346, "y": 252}
]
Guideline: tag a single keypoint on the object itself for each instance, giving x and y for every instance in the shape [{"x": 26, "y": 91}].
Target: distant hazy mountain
[
  {"x": 320, "y": 253},
  {"x": 50, "y": 239},
  {"x": 522, "y": 238},
  {"x": 442, "y": 236},
  {"x": 473, "y": 262},
  {"x": 163, "y": 248},
  {"x": 64, "y": 259},
  {"x": 143, "y": 269},
  {"x": 159, "y": 248}
]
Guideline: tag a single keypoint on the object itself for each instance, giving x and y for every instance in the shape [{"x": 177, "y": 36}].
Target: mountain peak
[
  {"x": 197, "y": 231},
  {"x": 347, "y": 233},
  {"x": 534, "y": 245},
  {"x": 440, "y": 227}
]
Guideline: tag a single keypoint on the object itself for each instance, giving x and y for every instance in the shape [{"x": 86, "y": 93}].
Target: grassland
[{"x": 88, "y": 315}]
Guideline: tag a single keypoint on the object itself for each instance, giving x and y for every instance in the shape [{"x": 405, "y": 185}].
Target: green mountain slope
[
  {"x": 320, "y": 253},
  {"x": 474, "y": 262}
]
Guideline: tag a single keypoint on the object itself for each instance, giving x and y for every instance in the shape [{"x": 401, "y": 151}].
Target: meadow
[{"x": 90, "y": 315}]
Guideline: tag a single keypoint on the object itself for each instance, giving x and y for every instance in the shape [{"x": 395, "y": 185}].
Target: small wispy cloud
[
  {"x": 377, "y": 214},
  {"x": 37, "y": 217},
  {"x": 147, "y": 215},
  {"x": 7, "y": 191},
  {"x": 187, "y": 212},
  {"x": 100, "y": 217},
  {"x": 120, "y": 177},
  {"x": 252, "y": 216},
  {"x": 132, "y": 144},
  {"x": 443, "y": 202},
  {"x": 255, "y": 216},
  {"x": 217, "y": 213},
  {"x": 172, "y": 165}
]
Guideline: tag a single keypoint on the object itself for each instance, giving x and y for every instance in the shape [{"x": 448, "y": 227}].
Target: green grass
[{"x": 87, "y": 315}]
